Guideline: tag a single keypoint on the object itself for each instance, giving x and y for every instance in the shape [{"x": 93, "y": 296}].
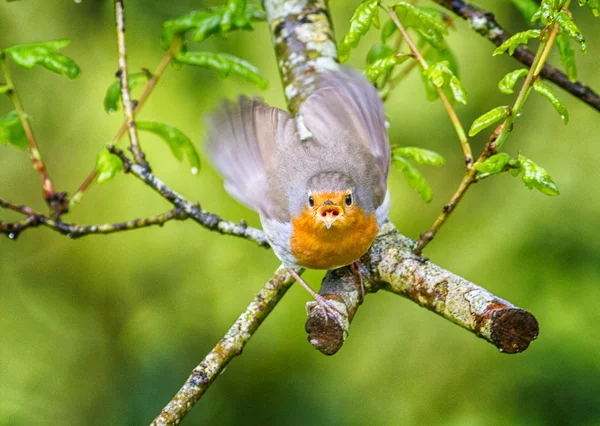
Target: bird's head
[{"x": 331, "y": 209}]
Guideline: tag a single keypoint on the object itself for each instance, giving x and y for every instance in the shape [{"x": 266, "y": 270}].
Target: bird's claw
[{"x": 327, "y": 308}]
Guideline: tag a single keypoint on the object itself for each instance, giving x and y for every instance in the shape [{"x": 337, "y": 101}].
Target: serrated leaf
[
  {"x": 414, "y": 178},
  {"x": 388, "y": 30},
  {"x": 45, "y": 55},
  {"x": 113, "y": 93},
  {"x": 365, "y": 15},
  {"x": 433, "y": 55},
  {"x": 107, "y": 165},
  {"x": 567, "y": 56},
  {"x": 526, "y": 7},
  {"x": 440, "y": 75},
  {"x": 379, "y": 51},
  {"x": 204, "y": 23},
  {"x": 537, "y": 177},
  {"x": 494, "y": 164},
  {"x": 594, "y": 6},
  {"x": 566, "y": 23},
  {"x": 4, "y": 89},
  {"x": 429, "y": 25},
  {"x": 181, "y": 146},
  {"x": 12, "y": 132},
  {"x": 515, "y": 41},
  {"x": 507, "y": 84},
  {"x": 381, "y": 66},
  {"x": 489, "y": 118},
  {"x": 225, "y": 64},
  {"x": 546, "y": 11},
  {"x": 544, "y": 90},
  {"x": 419, "y": 155}
]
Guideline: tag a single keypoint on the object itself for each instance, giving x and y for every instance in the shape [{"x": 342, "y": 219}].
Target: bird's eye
[
  {"x": 349, "y": 199},
  {"x": 311, "y": 201}
]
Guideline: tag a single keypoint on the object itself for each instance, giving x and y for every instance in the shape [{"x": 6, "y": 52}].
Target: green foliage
[
  {"x": 4, "y": 89},
  {"x": 428, "y": 24},
  {"x": 388, "y": 30},
  {"x": 45, "y": 55},
  {"x": 567, "y": 56},
  {"x": 489, "y": 118},
  {"x": 12, "y": 132},
  {"x": 420, "y": 155},
  {"x": 181, "y": 146},
  {"x": 433, "y": 55},
  {"x": 507, "y": 84},
  {"x": 414, "y": 178},
  {"x": 113, "y": 94},
  {"x": 379, "y": 51},
  {"x": 107, "y": 165},
  {"x": 536, "y": 177},
  {"x": 495, "y": 164},
  {"x": 440, "y": 75},
  {"x": 544, "y": 90},
  {"x": 217, "y": 20},
  {"x": 546, "y": 12},
  {"x": 526, "y": 7},
  {"x": 568, "y": 26},
  {"x": 382, "y": 66},
  {"x": 366, "y": 14},
  {"x": 515, "y": 41},
  {"x": 225, "y": 64},
  {"x": 594, "y": 6}
]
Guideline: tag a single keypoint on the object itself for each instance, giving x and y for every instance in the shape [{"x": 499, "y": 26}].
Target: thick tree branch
[
  {"x": 230, "y": 346},
  {"x": 485, "y": 24}
]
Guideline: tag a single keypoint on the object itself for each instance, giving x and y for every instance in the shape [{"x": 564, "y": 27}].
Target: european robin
[{"x": 319, "y": 183}]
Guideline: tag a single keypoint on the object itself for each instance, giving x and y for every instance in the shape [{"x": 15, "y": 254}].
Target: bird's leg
[
  {"x": 320, "y": 301},
  {"x": 358, "y": 270}
]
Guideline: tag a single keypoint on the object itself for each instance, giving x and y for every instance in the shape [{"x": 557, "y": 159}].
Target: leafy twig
[
  {"x": 462, "y": 136},
  {"x": 36, "y": 157},
  {"x": 485, "y": 24},
  {"x": 125, "y": 95}
]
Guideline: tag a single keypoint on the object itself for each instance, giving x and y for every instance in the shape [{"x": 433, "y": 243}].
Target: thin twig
[
  {"x": 229, "y": 347},
  {"x": 123, "y": 78},
  {"x": 36, "y": 157},
  {"x": 485, "y": 24},
  {"x": 460, "y": 132},
  {"x": 152, "y": 81},
  {"x": 495, "y": 141}
]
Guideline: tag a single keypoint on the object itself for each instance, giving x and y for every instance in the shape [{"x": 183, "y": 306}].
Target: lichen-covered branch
[
  {"x": 393, "y": 267},
  {"x": 230, "y": 346},
  {"x": 485, "y": 24}
]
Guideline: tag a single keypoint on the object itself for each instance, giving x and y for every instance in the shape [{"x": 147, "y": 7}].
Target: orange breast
[{"x": 317, "y": 247}]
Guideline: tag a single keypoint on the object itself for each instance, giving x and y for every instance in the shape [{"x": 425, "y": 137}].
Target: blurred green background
[{"x": 105, "y": 329}]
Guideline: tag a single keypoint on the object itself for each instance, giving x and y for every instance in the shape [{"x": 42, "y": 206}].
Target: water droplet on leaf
[
  {"x": 12, "y": 236},
  {"x": 111, "y": 111},
  {"x": 194, "y": 170}
]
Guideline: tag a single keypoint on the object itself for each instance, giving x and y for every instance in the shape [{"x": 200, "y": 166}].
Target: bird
[{"x": 318, "y": 180}]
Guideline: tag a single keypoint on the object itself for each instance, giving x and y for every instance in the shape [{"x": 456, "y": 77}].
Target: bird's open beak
[{"x": 329, "y": 214}]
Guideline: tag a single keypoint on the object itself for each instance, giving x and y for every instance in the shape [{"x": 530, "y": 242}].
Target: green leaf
[
  {"x": 107, "y": 165},
  {"x": 567, "y": 56},
  {"x": 433, "y": 55},
  {"x": 381, "y": 66},
  {"x": 594, "y": 6},
  {"x": 113, "y": 93},
  {"x": 12, "y": 132},
  {"x": 379, "y": 51},
  {"x": 513, "y": 42},
  {"x": 440, "y": 75},
  {"x": 419, "y": 155},
  {"x": 489, "y": 118},
  {"x": 430, "y": 25},
  {"x": 4, "y": 89},
  {"x": 204, "y": 23},
  {"x": 494, "y": 164},
  {"x": 544, "y": 90},
  {"x": 536, "y": 177},
  {"x": 181, "y": 146},
  {"x": 365, "y": 15},
  {"x": 44, "y": 54},
  {"x": 414, "y": 178},
  {"x": 566, "y": 23},
  {"x": 388, "y": 30},
  {"x": 546, "y": 11},
  {"x": 225, "y": 64},
  {"x": 507, "y": 84},
  {"x": 526, "y": 7}
]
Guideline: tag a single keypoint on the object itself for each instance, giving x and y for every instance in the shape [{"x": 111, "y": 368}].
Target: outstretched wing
[
  {"x": 345, "y": 103},
  {"x": 242, "y": 144}
]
